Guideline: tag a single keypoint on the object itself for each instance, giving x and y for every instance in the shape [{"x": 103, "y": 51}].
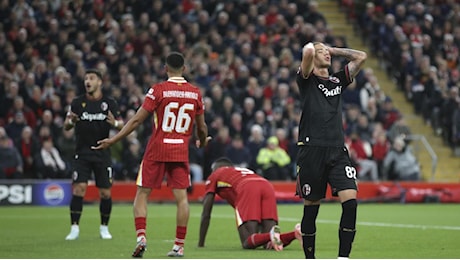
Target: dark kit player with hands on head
[
  {"x": 92, "y": 115},
  {"x": 322, "y": 156},
  {"x": 177, "y": 106}
]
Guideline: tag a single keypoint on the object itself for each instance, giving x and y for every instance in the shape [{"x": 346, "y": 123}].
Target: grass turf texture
[{"x": 383, "y": 231}]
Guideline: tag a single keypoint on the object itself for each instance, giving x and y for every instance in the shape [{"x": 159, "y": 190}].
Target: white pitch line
[{"x": 365, "y": 223}]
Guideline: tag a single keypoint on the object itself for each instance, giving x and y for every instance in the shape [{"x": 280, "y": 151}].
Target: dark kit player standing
[
  {"x": 323, "y": 158},
  {"x": 92, "y": 115}
]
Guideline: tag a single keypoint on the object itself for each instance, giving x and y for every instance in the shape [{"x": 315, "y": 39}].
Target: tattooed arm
[{"x": 356, "y": 58}]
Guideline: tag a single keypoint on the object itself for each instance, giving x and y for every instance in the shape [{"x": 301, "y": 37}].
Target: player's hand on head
[{"x": 102, "y": 144}]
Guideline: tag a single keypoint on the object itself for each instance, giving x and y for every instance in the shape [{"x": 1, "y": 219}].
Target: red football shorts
[
  {"x": 256, "y": 201},
  {"x": 152, "y": 174}
]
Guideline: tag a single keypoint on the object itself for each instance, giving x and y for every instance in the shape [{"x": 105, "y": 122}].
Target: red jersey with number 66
[{"x": 174, "y": 104}]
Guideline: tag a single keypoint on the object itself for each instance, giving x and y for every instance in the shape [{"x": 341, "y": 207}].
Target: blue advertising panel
[
  {"x": 33, "y": 192},
  {"x": 52, "y": 193}
]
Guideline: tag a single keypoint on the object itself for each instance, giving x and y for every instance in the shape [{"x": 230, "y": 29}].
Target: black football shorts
[
  {"x": 318, "y": 166},
  {"x": 84, "y": 168}
]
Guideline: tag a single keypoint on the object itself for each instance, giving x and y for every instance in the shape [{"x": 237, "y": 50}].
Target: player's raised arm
[
  {"x": 356, "y": 58},
  {"x": 208, "y": 202},
  {"x": 70, "y": 120},
  {"x": 308, "y": 55},
  {"x": 132, "y": 124}
]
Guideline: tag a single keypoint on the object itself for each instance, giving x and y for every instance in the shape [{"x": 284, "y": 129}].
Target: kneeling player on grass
[{"x": 253, "y": 199}]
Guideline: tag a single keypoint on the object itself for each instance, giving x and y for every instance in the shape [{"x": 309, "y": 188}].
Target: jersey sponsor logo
[
  {"x": 104, "y": 106},
  {"x": 306, "y": 189},
  {"x": 330, "y": 92},
  {"x": 221, "y": 184},
  {"x": 93, "y": 117}
]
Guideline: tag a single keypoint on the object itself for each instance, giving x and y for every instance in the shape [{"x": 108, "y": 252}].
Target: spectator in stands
[
  {"x": 14, "y": 128},
  {"x": 388, "y": 113},
  {"x": 369, "y": 90},
  {"x": 28, "y": 146},
  {"x": 19, "y": 106},
  {"x": 400, "y": 163},
  {"x": 361, "y": 154},
  {"x": 261, "y": 120},
  {"x": 132, "y": 158},
  {"x": 456, "y": 130},
  {"x": 256, "y": 141},
  {"x": 196, "y": 157},
  {"x": 449, "y": 105},
  {"x": 70, "y": 37},
  {"x": 399, "y": 129},
  {"x": 11, "y": 166},
  {"x": 238, "y": 153},
  {"x": 351, "y": 118},
  {"x": 216, "y": 148},
  {"x": 274, "y": 161},
  {"x": 364, "y": 128},
  {"x": 47, "y": 120},
  {"x": 65, "y": 143},
  {"x": 380, "y": 148},
  {"x": 236, "y": 126},
  {"x": 49, "y": 162}
]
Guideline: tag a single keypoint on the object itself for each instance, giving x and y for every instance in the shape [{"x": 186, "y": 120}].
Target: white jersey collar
[{"x": 177, "y": 79}]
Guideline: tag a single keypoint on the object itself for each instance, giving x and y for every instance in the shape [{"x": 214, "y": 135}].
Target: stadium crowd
[
  {"x": 418, "y": 43},
  {"x": 242, "y": 54}
]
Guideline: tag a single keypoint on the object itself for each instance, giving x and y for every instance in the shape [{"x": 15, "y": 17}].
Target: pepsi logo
[{"x": 53, "y": 194}]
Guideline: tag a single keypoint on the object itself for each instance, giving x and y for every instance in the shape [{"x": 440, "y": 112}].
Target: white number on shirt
[
  {"x": 244, "y": 171},
  {"x": 176, "y": 118}
]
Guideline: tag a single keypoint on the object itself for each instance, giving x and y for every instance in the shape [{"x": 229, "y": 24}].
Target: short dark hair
[
  {"x": 94, "y": 71},
  {"x": 221, "y": 162},
  {"x": 175, "y": 60}
]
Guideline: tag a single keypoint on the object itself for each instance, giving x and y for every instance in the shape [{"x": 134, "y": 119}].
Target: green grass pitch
[{"x": 413, "y": 231}]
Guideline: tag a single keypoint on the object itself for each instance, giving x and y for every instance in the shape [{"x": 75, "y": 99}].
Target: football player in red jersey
[
  {"x": 177, "y": 105},
  {"x": 254, "y": 201}
]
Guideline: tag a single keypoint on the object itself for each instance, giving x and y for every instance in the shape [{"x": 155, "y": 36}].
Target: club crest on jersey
[
  {"x": 150, "y": 94},
  {"x": 104, "y": 106},
  {"x": 306, "y": 189},
  {"x": 334, "y": 79},
  {"x": 83, "y": 104}
]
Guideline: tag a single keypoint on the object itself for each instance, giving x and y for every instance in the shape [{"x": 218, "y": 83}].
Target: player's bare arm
[
  {"x": 132, "y": 124},
  {"x": 202, "y": 130},
  {"x": 70, "y": 120},
  {"x": 308, "y": 54},
  {"x": 356, "y": 58},
  {"x": 208, "y": 202},
  {"x": 116, "y": 123}
]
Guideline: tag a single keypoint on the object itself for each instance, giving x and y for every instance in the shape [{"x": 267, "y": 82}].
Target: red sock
[
  {"x": 256, "y": 240},
  {"x": 140, "y": 223},
  {"x": 181, "y": 231},
  {"x": 287, "y": 238}
]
